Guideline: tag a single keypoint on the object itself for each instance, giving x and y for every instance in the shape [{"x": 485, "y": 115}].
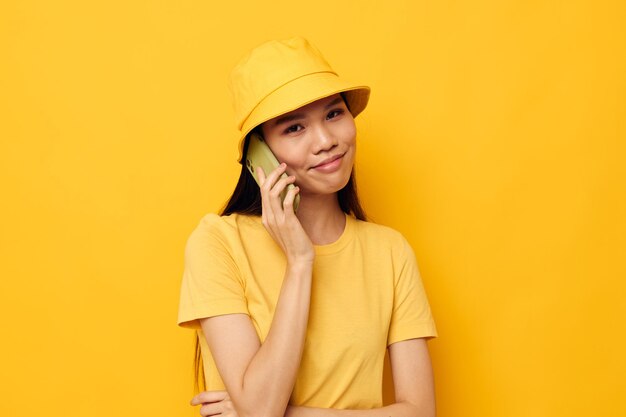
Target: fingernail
[{"x": 283, "y": 165}]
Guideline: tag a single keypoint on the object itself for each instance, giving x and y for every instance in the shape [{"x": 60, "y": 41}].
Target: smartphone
[{"x": 259, "y": 154}]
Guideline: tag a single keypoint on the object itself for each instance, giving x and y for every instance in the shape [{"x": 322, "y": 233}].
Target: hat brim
[{"x": 300, "y": 92}]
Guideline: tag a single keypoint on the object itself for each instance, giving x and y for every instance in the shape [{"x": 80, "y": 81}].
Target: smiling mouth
[{"x": 328, "y": 160}]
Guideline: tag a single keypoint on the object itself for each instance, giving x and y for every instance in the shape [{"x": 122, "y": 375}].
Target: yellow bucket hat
[{"x": 279, "y": 76}]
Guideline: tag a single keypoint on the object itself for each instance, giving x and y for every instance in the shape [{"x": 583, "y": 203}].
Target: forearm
[
  {"x": 400, "y": 409},
  {"x": 270, "y": 376},
  {"x": 413, "y": 387}
]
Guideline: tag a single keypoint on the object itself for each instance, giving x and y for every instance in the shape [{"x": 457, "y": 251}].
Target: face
[{"x": 317, "y": 142}]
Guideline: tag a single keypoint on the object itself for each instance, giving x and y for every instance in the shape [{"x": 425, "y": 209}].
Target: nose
[{"x": 324, "y": 140}]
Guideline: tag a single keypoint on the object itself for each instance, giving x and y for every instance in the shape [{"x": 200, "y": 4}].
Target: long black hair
[{"x": 246, "y": 199}]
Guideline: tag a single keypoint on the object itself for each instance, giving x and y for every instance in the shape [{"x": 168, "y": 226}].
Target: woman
[{"x": 294, "y": 311}]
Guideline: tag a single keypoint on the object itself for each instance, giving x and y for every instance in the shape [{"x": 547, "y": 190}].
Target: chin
[{"x": 345, "y": 182}]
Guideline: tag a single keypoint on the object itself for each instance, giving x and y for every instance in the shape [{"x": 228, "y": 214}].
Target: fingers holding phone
[
  {"x": 278, "y": 215},
  {"x": 293, "y": 194},
  {"x": 259, "y": 154},
  {"x": 273, "y": 187}
]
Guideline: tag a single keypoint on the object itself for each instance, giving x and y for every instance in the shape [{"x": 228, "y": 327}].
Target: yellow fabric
[{"x": 366, "y": 294}]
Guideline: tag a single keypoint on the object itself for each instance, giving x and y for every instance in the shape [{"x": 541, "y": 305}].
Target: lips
[{"x": 329, "y": 160}]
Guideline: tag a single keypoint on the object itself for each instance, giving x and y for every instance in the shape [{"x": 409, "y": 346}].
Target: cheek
[
  {"x": 349, "y": 133},
  {"x": 284, "y": 154},
  {"x": 295, "y": 162}
]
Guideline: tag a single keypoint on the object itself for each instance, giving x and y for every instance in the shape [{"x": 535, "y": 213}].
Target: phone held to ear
[{"x": 259, "y": 154}]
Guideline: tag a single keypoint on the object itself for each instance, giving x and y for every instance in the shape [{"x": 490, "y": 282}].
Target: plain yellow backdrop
[{"x": 494, "y": 141}]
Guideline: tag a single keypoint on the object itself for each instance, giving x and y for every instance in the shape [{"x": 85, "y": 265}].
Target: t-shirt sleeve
[
  {"x": 211, "y": 284},
  {"x": 411, "y": 316}
]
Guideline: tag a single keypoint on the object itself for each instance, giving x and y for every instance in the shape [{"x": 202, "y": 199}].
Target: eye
[
  {"x": 338, "y": 111},
  {"x": 290, "y": 130}
]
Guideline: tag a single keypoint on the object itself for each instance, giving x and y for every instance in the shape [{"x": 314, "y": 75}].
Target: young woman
[{"x": 294, "y": 311}]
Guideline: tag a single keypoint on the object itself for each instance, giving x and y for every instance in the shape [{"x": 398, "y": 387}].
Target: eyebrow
[{"x": 297, "y": 116}]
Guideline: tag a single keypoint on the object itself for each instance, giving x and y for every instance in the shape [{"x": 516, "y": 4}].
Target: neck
[{"x": 321, "y": 218}]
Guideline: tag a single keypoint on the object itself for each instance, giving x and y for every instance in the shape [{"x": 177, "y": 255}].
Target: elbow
[
  {"x": 259, "y": 401},
  {"x": 421, "y": 409}
]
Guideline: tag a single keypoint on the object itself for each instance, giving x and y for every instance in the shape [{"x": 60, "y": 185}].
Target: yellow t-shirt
[{"x": 366, "y": 294}]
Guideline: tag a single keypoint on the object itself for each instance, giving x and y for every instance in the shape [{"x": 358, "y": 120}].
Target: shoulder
[
  {"x": 215, "y": 230},
  {"x": 382, "y": 240},
  {"x": 380, "y": 234},
  {"x": 214, "y": 223}
]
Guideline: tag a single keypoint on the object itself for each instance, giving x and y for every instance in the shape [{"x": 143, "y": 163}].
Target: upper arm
[
  {"x": 212, "y": 284},
  {"x": 411, "y": 316},
  {"x": 413, "y": 375},
  {"x": 233, "y": 342}
]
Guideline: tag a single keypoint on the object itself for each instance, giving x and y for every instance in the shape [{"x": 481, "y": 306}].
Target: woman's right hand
[
  {"x": 215, "y": 403},
  {"x": 279, "y": 218}
]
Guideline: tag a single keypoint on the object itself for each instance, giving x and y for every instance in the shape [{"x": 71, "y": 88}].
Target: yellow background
[{"x": 494, "y": 140}]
